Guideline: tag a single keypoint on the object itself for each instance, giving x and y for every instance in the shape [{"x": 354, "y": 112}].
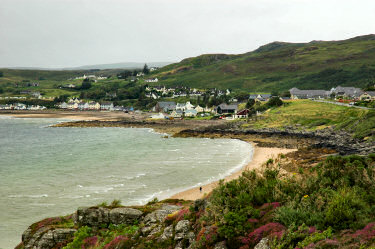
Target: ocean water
[{"x": 46, "y": 172}]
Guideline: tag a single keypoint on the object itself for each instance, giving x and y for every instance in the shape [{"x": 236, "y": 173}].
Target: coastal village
[{"x": 167, "y": 108}]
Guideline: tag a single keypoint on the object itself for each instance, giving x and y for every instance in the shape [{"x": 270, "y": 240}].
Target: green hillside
[{"x": 280, "y": 66}]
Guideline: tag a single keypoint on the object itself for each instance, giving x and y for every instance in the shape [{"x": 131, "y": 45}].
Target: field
[{"x": 315, "y": 115}]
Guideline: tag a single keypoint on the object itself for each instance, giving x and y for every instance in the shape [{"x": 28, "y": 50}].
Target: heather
[
  {"x": 298, "y": 200},
  {"x": 304, "y": 208}
]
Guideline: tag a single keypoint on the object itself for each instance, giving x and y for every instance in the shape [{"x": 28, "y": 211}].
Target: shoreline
[{"x": 260, "y": 156}]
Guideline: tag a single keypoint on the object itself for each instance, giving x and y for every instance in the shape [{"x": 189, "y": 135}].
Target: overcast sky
[{"x": 64, "y": 33}]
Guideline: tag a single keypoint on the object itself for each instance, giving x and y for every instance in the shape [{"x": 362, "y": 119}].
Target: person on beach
[{"x": 200, "y": 189}]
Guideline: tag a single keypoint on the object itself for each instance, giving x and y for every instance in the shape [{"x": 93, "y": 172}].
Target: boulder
[
  {"x": 263, "y": 244},
  {"x": 179, "y": 245},
  {"x": 93, "y": 217},
  {"x": 160, "y": 214},
  {"x": 220, "y": 245},
  {"x": 182, "y": 226},
  {"x": 124, "y": 215},
  {"x": 154, "y": 231},
  {"x": 167, "y": 234},
  {"x": 43, "y": 239},
  {"x": 181, "y": 229}
]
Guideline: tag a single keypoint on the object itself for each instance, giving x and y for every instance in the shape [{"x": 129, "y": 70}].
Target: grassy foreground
[{"x": 297, "y": 200}]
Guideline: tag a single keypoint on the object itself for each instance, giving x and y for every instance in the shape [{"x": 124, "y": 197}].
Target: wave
[{"x": 28, "y": 196}]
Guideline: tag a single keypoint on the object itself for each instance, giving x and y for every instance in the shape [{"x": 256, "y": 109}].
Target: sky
[{"x": 68, "y": 33}]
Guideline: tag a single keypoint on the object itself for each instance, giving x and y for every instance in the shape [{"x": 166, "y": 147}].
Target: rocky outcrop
[
  {"x": 159, "y": 215},
  {"x": 290, "y": 137},
  {"x": 181, "y": 229},
  {"x": 99, "y": 216},
  {"x": 124, "y": 215},
  {"x": 46, "y": 238}
]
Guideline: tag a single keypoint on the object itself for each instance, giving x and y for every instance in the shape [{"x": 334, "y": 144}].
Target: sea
[{"x": 48, "y": 172}]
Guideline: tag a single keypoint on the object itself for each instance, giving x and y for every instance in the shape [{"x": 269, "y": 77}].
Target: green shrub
[
  {"x": 346, "y": 210},
  {"x": 81, "y": 234},
  {"x": 236, "y": 223}
]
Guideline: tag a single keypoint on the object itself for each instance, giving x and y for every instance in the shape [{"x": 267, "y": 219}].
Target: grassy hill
[
  {"x": 49, "y": 80},
  {"x": 280, "y": 66}
]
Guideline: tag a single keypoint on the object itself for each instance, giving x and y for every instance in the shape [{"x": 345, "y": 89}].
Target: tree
[
  {"x": 250, "y": 103},
  {"x": 1, "y": 74},
  {"x": 241, "y": 96},
  {"x": 86, "y": 84},
  {"x": 61, "y": 98},
  {"x": 274, "y": 93},
  {"x": 286, "y": 94},
  {"x": 274, "y": 101},
  {"x": 146, "y": 70}
]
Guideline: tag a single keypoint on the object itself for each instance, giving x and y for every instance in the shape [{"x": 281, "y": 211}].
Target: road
[{"x": 343, "y": 104}]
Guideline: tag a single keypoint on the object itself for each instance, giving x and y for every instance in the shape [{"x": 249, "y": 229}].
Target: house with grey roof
[
  {"x": 260, "y": 97},
  {"x": 83, "y": 106},
  {"x": 191, "y": 113},
  {"x": 226, "y": 109},
  {"x": 296, "y": 93},
  {"x": 348, "y": 92},
  {"x": 264, "y": 97},
  {"x": 106, "y": 106},
  {"x": 164, "y": 106},
  {"x": 368, "y": 96}
]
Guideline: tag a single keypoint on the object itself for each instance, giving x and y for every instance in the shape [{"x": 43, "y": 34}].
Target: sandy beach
[
  {"x": 73, "y": 115},
  {"x": 260, "y": 156}
]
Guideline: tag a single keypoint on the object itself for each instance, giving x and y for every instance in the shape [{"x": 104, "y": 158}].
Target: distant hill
[
  {"x": 121, "y": 65},
  {"x": 280, "y": 66}
]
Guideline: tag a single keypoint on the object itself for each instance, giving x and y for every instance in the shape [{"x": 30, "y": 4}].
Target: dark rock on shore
[{"x": 340, "y": 141}]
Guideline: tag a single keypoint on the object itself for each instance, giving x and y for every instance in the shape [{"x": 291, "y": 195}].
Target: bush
[
  {"x": 274, "y": 101},
  {"x": 236, "y": 224},
  {"x": 119, "y": 242},
  {"x": 79, "y": 237},
  {"x": 270, "y": 230},
  {"x": 346, "y": 210}
]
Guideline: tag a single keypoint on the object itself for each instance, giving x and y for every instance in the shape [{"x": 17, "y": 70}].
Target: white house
[
  {"x": 19, "y": 106},
  {"x": 83, "y": 106},
  {"x": 63, "y": 105},
  {"x": 106, "y": 106},
  {"x": 199, "y": 109},
  {"x": 177, "y": 113},
  {"x": 184, "y": 107},
  {"x": 158, "y": 116},
  {"x": 152, "y": 80},
  {"x": 191, "y": 113},
  {"x": 72, "y": 105},
  {"x": 94, "y": 105}
]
